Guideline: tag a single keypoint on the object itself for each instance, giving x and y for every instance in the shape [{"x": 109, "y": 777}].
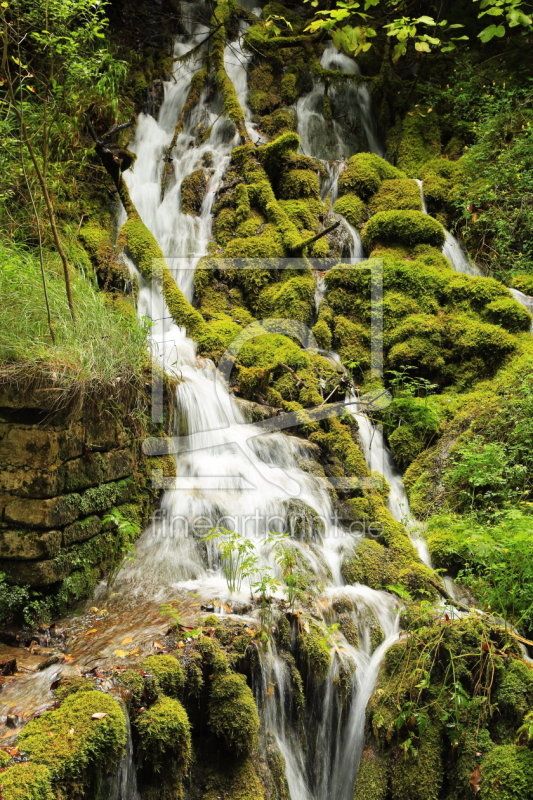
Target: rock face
[{"x": 60, "y": 474}]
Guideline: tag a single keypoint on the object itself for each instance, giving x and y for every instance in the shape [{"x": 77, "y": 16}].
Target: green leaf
[
  {"x": 426, "y": 20},
  {"x": 489, "y": 33},
  {"x": 422, "y": 47}
]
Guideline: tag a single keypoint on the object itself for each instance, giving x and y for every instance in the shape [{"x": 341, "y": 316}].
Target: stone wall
[{"x": 60, "y": 473}]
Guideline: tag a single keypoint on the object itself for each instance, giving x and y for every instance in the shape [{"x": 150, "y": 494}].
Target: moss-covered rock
[
  {"x": 420, "y": 777},
  {"x": 27, "y": 781},
  {"x": 232, "y": 713},
  {"x": 507, "y": 773},
  {"x": 372, "y": 776},
  {"x": 402, "y": 227},
  {"x": 234, "y": 781},
  {"x": 351, "y": 208},
  {"x": 364, "y": 174},
  {"x": 417, "y": 141},
  {"x": 508, "y": 313},
  {"x": 369, "y": 563},
  {"x": 167, "y": 672},
  {"x": 299, "y": 183},
  {"x": 164, "y": 732},
  {"x": 396, "y": 195},
  {"x": 193, "y": 189},
  {"x": 315, "y": 652},
  {"x": 83, "y": 757}
]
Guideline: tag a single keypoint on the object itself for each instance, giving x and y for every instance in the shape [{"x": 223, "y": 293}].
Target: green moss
[
  {"x": 339, "y": 442},
  {"x": 316, "y": 653},
  {"x": 232, "y": 712},
  {"x": 168, "y": 673},
  {"x": 371, "y": 564},
  {"x": 508, "y": 313},
  {"x": 398, "y": 194},
  {"x": 213, "y": 655},
  {"x": 5, "y": 758},
  {"x": 242, "y": 201},
  {"x": 292, "y": 299},
  {"x": 95, "y": 746},
  {"x": 322, "y": 334},
  {"x": 524, "y": 283},
  {"x": 405, "y": 444},
  {"x": 419, "y": 580},
  {"x": 474, "y": 292},
  {"x": 351, "y": 208},
  {"x": 514, "y": 694},
  {"x": 193, "y": 192},
  {"x": 364, "y": 174},
  {"x": 164, "y": 732},
  {"x": 224, "y": 225},
  {"x": 283, "y": 120},
  {"x": 420, "y": 777},
  {"x": 289, "y": 88},
  {"x": 135, "y": 682},
  {"x": 507, "y": 773},
  {"x": 27, "y": 781},
  {"x": 71, "y": 685},
  {"x": 298, "y": 183},
  {"x": 404, "y": 227},
  {"x": 372, "y": 776},
  {"x": 216, "y": 338},
  {"x": 352, "y": 340},
  {"x": 266, "y": 245},
  {"x": 234, "y": 782},
  {"x": 147, "y": 256},
  {"x": 419, "y": 142},
  {"x": 303, "y": 213}
]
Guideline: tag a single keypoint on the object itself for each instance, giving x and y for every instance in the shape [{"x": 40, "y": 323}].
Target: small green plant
[
  {"x": 236, "y": 554},
  {"x": 123, "y": 549},
  {"x": 170, "y": 609}
]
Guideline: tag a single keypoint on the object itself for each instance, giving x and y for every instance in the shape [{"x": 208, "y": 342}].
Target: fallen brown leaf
[
  {"x": 159, "y": 645},
  {"x": 475, "y": 779},
  {"x": 93, "y": 630},
  {"x": 127, "y": 641},
  {"x": 99, "y": 715}
]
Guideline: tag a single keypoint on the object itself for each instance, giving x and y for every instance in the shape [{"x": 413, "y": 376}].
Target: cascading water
[{"x": 231, "y": 473}]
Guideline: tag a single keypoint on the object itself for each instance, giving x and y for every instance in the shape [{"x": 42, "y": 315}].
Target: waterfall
[
  {"x": 331, "y": 139},
  {"x": 231, "y": 472},
  {"x": 122, "y": 785}
]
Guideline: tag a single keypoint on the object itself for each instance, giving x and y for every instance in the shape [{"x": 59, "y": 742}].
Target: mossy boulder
[
  {"x": 233, "y": 714},
  {"x": 369, "y": 563},
  {"x": 420, "y": 777},
  {"x": 80, "y": 757},
  {"x": 509, "y": 314},
  {"x": 167, "y": 672},
  {"x": 507, "y": 773},
  {"x": 163, "y": 732},
  {"x": 27, "y": 781},
  {"x": 403, "y": 227},
  {"x": 418, "y": 141},
  {"x": 351, "y": 208},
  {"x": 292, "y": 299},
  {"x": 372, "y": 776},
  {"x": 193, "y": 189},
  {"x": 315, "y": 652},
  {"x": 234, "y": 781},
  {"x": 399, "y": 194},
  {"x": 364, "y": 173},
  {"x": 299, "y": 183}
]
